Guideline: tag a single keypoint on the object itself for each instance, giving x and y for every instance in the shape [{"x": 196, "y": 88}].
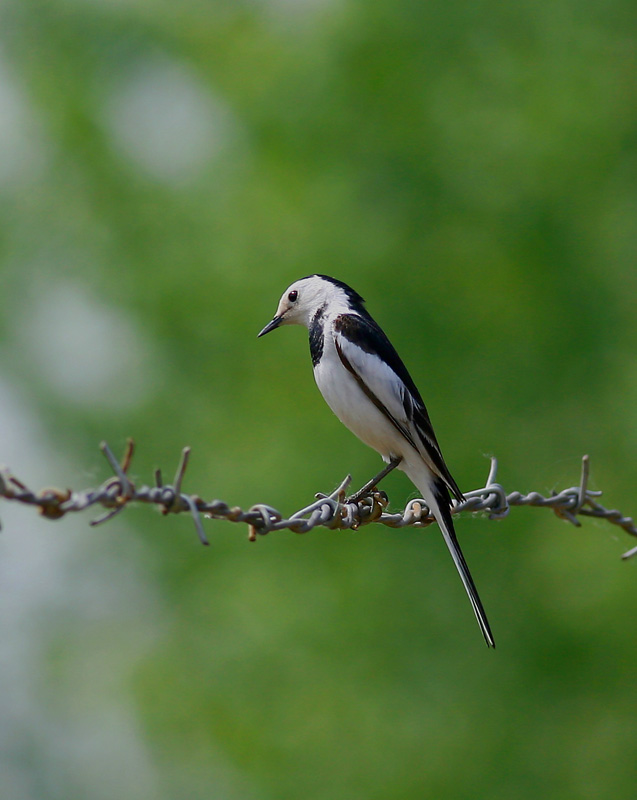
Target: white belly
[{"x": 354, "y": 409}]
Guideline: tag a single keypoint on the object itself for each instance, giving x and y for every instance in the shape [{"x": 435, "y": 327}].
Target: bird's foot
[{"x": 370, "y": 486}]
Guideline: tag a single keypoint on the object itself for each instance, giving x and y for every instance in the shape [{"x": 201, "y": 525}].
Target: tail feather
[{"x": 437, "y": 497}]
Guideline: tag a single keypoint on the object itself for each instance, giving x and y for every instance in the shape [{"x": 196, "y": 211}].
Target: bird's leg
[{"x": 376, "y": 479}]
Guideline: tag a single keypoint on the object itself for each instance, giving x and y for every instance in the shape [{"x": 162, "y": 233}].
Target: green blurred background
[{"x": 166, "y": 170}]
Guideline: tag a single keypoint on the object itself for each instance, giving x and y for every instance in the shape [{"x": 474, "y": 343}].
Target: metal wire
[{"x": 331, "y": 511}]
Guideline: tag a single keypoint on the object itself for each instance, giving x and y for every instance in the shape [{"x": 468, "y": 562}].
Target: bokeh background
[{"x": 166, "y": 170}]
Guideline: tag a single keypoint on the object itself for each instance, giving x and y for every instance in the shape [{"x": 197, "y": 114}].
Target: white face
[{"x": 301, "y": 300}]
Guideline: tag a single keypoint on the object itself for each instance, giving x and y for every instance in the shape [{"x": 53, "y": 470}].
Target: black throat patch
[{"x": 316, "y": 336}]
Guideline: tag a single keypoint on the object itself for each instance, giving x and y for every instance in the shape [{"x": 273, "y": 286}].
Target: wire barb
[{"x": 328, "y": 510}]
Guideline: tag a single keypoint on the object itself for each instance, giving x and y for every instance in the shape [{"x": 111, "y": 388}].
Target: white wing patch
[
  {"x": 381, "y": 380},
  {"x": 390, "y": 395},
  {"x": 382, "y": 386}
]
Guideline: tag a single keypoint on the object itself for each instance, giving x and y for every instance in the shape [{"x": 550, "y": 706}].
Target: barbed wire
[{"x": 334, "y": 510}]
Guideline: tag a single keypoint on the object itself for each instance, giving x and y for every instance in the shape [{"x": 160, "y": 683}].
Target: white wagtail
[{"x": 367, "y": 386}]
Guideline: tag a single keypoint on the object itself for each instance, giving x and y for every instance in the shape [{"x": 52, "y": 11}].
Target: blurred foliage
[{"x": 471, "y": 170}]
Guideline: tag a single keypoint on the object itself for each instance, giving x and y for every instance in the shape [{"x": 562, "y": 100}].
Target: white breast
[{"x": 351, "y": 405}]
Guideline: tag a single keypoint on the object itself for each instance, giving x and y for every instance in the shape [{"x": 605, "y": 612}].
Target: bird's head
[{"x": 302, "y": 300}]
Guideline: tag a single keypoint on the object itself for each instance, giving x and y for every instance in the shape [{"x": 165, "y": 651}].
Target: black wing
[{"x": 365, "y": 350}]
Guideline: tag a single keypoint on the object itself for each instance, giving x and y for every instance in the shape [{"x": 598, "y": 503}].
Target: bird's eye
[{"x": 292, "y": 296}]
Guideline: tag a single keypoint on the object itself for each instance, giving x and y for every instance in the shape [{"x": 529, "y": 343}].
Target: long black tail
[{"x": 441, "y": 509}]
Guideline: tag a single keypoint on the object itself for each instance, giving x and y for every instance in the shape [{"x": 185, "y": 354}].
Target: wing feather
[{"x": 369, "y": 356}]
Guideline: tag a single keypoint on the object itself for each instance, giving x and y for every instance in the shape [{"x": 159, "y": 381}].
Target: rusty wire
[{"x": 332, "y": 511}]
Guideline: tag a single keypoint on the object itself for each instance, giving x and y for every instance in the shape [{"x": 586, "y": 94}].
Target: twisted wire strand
[{"x": 332, "y": 511}]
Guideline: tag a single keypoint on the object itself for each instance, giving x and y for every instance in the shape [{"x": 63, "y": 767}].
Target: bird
[{"x": 367, "y": 386}]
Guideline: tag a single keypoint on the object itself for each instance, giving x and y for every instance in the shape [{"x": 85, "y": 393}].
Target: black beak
[{"x": 271, "y": 326}]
